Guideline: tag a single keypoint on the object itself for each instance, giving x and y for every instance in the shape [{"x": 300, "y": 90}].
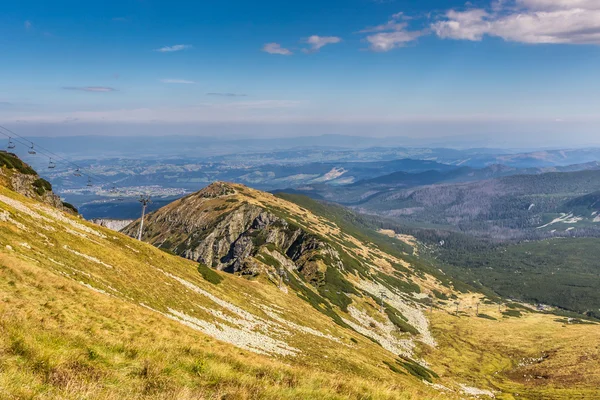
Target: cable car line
[
  {"x": 36, "y": 149},
  {"x": 50, "y": 153}
]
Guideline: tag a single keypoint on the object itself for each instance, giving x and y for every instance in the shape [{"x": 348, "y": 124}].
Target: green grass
[
  {"x": 10, "y": 161},
  {"x": 400, "y": 322},
  {"x": 512, "y": 313},
  {"x": 70, "y": 207},
  {"x": 41, "y": 186},
  {"x": 417, "y": 370},
  {"x": 209, "y": 274}
]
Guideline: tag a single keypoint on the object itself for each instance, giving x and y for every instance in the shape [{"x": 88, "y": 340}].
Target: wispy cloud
[
  {"x": 526, "y": 21},
  {"x": 177, "y": 47},
  {"x": 28, "y": 25},
  {"x": 243, "y": 111},
  {"x": 226, "y": 94},
  {"x": 179, "y": 81},
  {"x": 275, "y": 48},
  {"x": 97, "y": 89},
  {"x": 317, "y": 42},
  {"x": 393, "y": 34}
]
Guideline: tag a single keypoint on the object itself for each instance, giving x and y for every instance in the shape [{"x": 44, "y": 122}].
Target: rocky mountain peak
[{"x": 217, "y": 189}]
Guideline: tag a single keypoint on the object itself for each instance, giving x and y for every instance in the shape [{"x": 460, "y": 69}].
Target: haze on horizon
[{"x": 509, "y": 72}]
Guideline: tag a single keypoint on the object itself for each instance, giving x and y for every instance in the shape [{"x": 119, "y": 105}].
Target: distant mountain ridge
[{"x": 501, "y": 207}]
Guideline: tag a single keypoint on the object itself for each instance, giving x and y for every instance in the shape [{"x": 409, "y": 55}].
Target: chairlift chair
[
  {"x": 31, "y": 150},
  {"x": 11, "y": 144},
  {"x": 51, "y": 164},
  {"x": 89, "y": 182},
  {"x": 77, "y": 172}
]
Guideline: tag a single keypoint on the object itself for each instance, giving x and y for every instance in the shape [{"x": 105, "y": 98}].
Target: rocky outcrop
[
  {"x": 21, "y": 178},
  {"x": 113, "y": 224},
  {"x": 221, "y": 230}
]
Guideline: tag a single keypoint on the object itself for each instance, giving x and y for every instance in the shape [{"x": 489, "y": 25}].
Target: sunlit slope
[
  {"x": 86, "y": 310},
  {"x": 90, "y": 313}
]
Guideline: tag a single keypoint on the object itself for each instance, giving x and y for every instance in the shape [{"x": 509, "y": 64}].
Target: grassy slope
[
  {"x": 561, "y": 272},
  {"x": 53, "y": 325},
  {"x": 60, "y": 339}
]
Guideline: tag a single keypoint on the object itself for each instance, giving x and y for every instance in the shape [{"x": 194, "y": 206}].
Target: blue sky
[{"x": 527, "y": 66}]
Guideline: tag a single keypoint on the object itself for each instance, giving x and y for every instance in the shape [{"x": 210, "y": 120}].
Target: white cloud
[
  {"x": 392, "y": 25},
  {"x": 98, "y": 89},
  {"x": 316, "y": 42},
  {"x": 382, "y": 42},
  {"x": 28, "y": 25},
  {"x": 177, "y": 47},
  {"x": 275, "y": 48},
  {"x": 526, "y": 21},
  {"x": 393, "y": 34},
  {"x": 180, "y": 81},
  {"x": 560, "y": 4},
  {"x": 244, "y": 111}
]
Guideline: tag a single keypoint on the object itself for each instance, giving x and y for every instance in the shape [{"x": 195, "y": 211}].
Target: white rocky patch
[
  {"x": 224, "y": 304},
  {"x": 247, "y": 340},
  {"x": 87, "y": 257},
  {"x": 59, "y": 216},
  {"x": 564, "y": 218},
  {"x": 131, "y": 248},
  {"x": 472, "y": 391},
  {"x": 247, "y": 322},
  {"x": 94, "y": 289},
  {"x": 112, "y": 224},
  {"x": 333, "y": 174},
  {"x": 17, "y": 205},
  {"x": 297, "y": 327},
  {"x": 413, "y": 312},
  {"x": 6, "y": 217},
  {"x": 55, "y": 262},
  {"x": 438, "y": 386},
  {"x": 382, "y": 332}
]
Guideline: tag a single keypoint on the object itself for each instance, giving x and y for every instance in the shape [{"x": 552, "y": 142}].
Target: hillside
[
  {"x": 20, "y": 177},
  {"x": 511, "y": 207},
  {"x": 237, "y": 229},
  {"x": 90, "y": 313}
]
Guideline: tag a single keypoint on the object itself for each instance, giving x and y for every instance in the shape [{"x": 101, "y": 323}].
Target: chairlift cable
[{"x": 41, "y": 150}]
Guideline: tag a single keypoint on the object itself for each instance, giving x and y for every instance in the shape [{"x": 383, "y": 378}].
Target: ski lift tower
[{"x": 144, "y": 200}]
